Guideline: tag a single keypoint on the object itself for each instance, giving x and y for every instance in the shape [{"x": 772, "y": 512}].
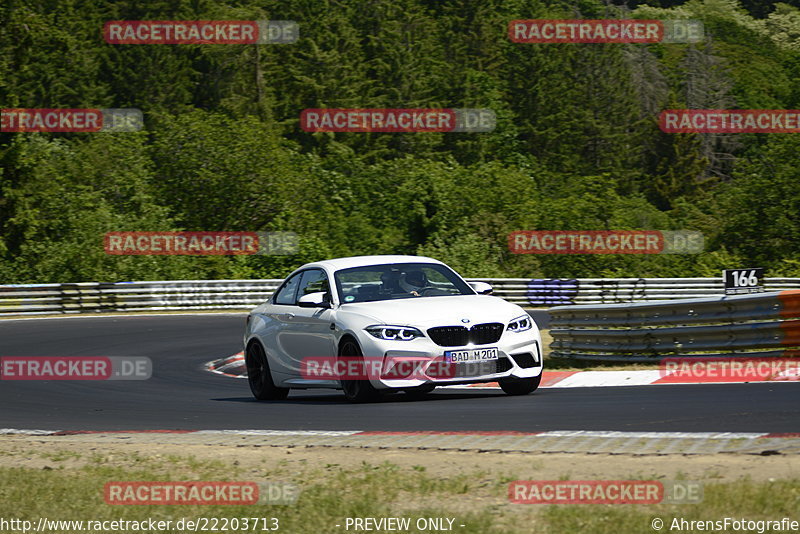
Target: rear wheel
[
  {"x": 259, "y": 376},
  {"x": 356, "y": 390},
  {"x": 520, "y": 386}
]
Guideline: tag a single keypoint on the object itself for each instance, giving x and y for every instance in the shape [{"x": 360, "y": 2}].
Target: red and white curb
[
  {"x": 233, "y": 366},
  {"x": 565, "y": 441}
]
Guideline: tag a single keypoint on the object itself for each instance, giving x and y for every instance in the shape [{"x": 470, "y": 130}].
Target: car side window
[
  {"x": 314, "y": 281},
  {"x": 286, "y": 294}
]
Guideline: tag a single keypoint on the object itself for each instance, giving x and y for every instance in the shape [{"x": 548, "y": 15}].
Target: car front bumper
[{"x": 407, "y": 364}]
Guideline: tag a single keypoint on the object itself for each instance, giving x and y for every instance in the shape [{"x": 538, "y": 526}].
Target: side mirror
[
  {"x": 481, "y": 288},
  {"x": 314, "y": 300}
]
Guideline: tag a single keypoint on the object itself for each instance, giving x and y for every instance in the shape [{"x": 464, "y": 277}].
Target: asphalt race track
[{"x": 180, "y": 395}]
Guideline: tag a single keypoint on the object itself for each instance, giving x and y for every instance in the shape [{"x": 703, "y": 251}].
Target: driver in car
[{"x": 413, "y": 282}]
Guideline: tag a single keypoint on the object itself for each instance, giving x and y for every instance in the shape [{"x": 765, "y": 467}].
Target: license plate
[{"x": 471, "y": 355}]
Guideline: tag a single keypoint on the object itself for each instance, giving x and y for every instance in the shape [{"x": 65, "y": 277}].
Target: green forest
[{"x": 577, "y": 144}]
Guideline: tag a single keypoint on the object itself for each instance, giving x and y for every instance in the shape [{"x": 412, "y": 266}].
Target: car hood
[{"x": 426, "y": 312}]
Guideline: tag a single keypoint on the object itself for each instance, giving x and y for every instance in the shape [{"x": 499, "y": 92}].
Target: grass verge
[{"x": 70, "y": 487}]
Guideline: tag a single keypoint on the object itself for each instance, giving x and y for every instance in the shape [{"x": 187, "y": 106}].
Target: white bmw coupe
[{"x": 373, "y": 324}]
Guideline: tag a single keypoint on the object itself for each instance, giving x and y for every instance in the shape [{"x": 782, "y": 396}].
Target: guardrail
[
  {"x": 735, "y": 326},
  {"x": 543, "y": 292},
  {"x": 36, "y": 299},
  {"x": 89, "y": 297}
]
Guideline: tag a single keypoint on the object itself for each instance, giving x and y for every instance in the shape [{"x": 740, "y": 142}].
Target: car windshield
[{"x": 398, "y": 281}]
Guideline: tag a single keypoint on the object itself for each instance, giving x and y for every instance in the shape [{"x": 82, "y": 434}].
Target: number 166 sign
[{"x": 741, "y": 281}]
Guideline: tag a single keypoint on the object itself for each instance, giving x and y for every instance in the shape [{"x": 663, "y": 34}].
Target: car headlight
[
  {"x": 520, "y": 324},
  {"x": 394, "y": 333}
]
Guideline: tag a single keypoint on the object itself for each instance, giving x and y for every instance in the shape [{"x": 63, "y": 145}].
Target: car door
[
  {"x": 278, "y": 317},
  {"x": 307, "y": 332}
]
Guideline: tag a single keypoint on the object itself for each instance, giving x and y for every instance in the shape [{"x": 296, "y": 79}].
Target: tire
[
  {"x": 520, "y": 386},
  {"x": 259, "y": 376},
  {"x": 420, "y": 392},
  {"x": 356, "y": 391}
]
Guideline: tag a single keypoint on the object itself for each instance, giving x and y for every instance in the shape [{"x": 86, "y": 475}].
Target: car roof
[{"x": 361, "y": 261}]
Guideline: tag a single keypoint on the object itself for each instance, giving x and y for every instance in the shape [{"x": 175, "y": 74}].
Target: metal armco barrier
[
  {"x": 545, "y": 292},
  {"x": 90, "y": 297},
  {"x": 33, "y": 299},
  {"x": 738, "y": 326}
]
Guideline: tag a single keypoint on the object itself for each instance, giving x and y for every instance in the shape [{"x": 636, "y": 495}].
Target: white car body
[{"x": 290, "y": 333}]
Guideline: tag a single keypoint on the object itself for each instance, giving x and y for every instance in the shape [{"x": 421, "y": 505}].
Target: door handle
[{"x": 288, "y": 316}]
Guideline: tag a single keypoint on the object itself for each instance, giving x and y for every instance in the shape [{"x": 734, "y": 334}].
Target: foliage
[{"x": 576, "y": 147}]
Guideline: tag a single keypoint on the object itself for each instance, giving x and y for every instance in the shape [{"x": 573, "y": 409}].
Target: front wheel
[
  {"x": 356, "y": 390},
  {"x": 519, "y": 386},
  {"x": 259, "y": 376}
]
